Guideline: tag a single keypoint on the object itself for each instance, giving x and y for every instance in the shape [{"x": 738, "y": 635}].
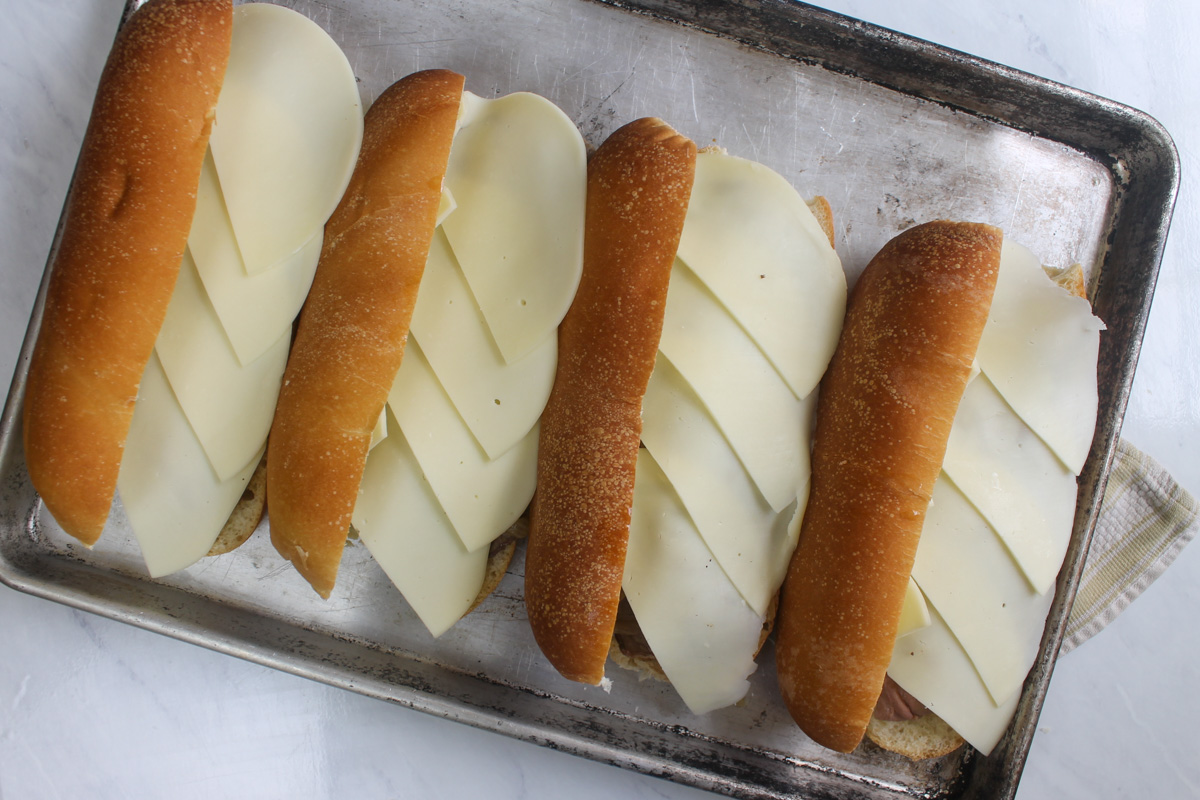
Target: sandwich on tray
[
  {"x": 673, "y": 459},
  {"x": 954, "y": 419},
  {"x": 220, "y": 141}
]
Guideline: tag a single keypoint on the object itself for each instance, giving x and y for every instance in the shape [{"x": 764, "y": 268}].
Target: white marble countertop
[{"x": 94, "y": 708}]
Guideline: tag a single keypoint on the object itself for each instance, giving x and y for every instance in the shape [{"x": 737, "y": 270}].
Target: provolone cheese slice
[
  {"x": 175, "y": 503},
  {"x": 930, "y": 665},
  {"x": 754, "y": 242},
  {"x": 966, "y": 573},
  {"x": 767, "y": 427},
  {"x": 500, "y": 402},
  {"x": 481, "y": 496},
  {"x": 1015, "y": 481},
  {"x": 697, "y": 625},
  {"x": 750, "y": 541},
  {"x": 446, "y": 205},
  {"x": 914, "y": 613},
  {"x": 1039, "y": 348},
  {"x": 255, "y": 310},
  {"x": 380, "y": 431},
  {"x": 399, "y": 520},
  {"x": 229, "y": 406},
  {"x": 518, "y": 172},
  {"x": 287, "y": 131},
  {"x": 1000, "y": 522}
]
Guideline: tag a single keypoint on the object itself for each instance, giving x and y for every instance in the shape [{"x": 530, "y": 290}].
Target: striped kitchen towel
[{"x": 1146, "y": 519}]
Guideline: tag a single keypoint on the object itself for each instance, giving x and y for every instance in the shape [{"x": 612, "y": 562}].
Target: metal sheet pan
[{"x": 893, "y": 131}]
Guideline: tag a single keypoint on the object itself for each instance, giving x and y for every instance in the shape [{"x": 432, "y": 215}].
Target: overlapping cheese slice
[
  {"x": 380, "y": 431},
  {"x": 440, "y": 576},
  {"x": 696, "y": 330},
  {"x": 251, "y": 325},
  {"x": 500, "y": 402},
  {"x": 1039, "y": 348},
  {"x": 287, "y": 133},
  {"x": 229, "y": 405},
  {"x": 1003, "y": 508},
  {"x": 703, "y": 633},
  {"x": 750, "y": 540},
  {"x": 517, "y": 171},
  {"x": 930, "y": 664},
  {"x": 1014, "y": 480},
  {"x": 723, "y": 480},
  {"x": 914, "y": 614},
  {"x": 752, "y": 240},
  {"x": 964, "y": 572},
  {"x": 175, "y": 503},
  {"x": 480, "y": 362},
  {"x": 482, "y": 496}
]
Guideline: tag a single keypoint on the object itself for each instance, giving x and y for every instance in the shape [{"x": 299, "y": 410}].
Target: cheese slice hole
[{"x": 518, "y": 173}]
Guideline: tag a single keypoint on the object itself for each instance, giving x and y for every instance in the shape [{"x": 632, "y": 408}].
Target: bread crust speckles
[
  {"x": 639, "y": 183},
  {"x": 354, "y": 325},
  {"x": 126, "y": 225},
  {"x": 887, "y": 404}
]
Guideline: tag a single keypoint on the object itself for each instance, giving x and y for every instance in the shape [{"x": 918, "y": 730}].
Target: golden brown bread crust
[
  {"x": 887, "y": 403},
  {"x": 928, "y": 736},
  {"x": 639, "y": 183},
  {"x": 820, "y": 208},
  {"x": 354, "y": 325},
  {"x": 126, "y": 225}
]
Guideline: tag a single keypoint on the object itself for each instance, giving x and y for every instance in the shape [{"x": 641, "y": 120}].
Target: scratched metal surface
[{"x": 893, "y": 132}]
